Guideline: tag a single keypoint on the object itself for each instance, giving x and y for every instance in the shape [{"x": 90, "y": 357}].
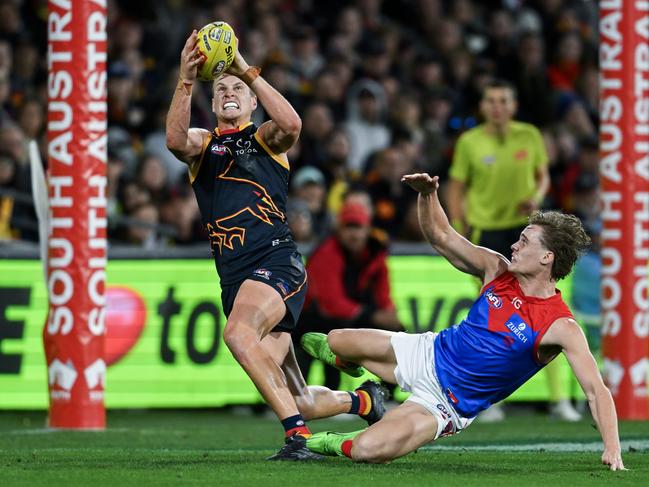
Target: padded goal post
[
  {"x": 76, "y": 130},
  {"x": 624, "y": 170}
]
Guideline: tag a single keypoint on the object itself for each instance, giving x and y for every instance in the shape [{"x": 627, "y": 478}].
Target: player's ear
[
  {"x": 547, "y": 258},
  {"x": 253, "y": 100}
]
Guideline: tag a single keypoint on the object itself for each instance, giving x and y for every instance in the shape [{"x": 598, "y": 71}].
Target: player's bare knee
[
  {"x": 237, "y": 337},
  {"x": 335, "y": 339},
  {"x": 370, "y": 450},
  {"x": 305, "y": 406}
]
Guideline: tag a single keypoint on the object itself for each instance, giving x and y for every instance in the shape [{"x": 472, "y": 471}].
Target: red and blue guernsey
[{"x": 494, "y": 350}]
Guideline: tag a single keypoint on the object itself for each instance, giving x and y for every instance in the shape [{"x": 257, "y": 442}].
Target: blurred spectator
[
  {"x": 566, "y": 67},
  {"x": 299, "y": 221},
  {"x": 423, "y": 64},
  {"x": 349, "y": 284},
  {"x": 179, "y": 211},
  {"x": 142, "y": 225},
  {"x": 31, "y": 118},
  {"x": 152, "y": 175},
  {"x": 390, "y": 197},
  {"x": 586, "y": 287},
  {"x": 366, "y": 106},
  {"x": 584, "y": 172},
  {"x": 17, "y": 216},
  {"x": 13, "y": 143},
  {"x": 532, "y": 84},
  {"x": 306, "y": 60},
  {"x": 5, "y": 93},
  {"x": 317, "y": 124},
  {"x": 308, "y": 184}
]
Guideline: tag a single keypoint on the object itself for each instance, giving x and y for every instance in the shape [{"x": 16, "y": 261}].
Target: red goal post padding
[{"x": 76, "y": 132}]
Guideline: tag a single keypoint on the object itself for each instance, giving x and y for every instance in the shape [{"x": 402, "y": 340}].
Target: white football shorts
[{"x": 415, "y": 373}]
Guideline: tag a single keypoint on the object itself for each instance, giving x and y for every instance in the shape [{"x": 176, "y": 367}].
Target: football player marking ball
[{"x": 218, "y": 45}]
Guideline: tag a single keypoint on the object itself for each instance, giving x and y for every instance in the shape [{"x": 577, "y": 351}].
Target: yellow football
[{"x": 218, "y": 45}]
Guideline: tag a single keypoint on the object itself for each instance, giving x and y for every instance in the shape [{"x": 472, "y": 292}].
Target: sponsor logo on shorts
[
  {"x": 265, "y": 273},
  {"x": 451, "y": 396},
  {"x": 448, "y": 429},
  {"x": 494, "y": 299},
  {"x": 283, "y": 286},
  {"x": 443, "y": 410}
]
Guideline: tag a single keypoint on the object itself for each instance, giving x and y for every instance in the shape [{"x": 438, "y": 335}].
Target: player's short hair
[
  {"x": 564, "y": 236},
  {"x": 499, "y": 83}
]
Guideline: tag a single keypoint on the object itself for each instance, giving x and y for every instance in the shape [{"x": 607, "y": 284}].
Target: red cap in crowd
[{"x": 354, "y": 214}]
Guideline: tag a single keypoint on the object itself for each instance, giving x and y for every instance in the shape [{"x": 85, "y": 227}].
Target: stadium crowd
[{"x": 383, "y": 89}]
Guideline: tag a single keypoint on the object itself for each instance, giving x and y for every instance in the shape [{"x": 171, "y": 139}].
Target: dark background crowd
[{"x": 383, "y": 88}]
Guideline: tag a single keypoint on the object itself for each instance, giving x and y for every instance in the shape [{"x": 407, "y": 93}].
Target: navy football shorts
[{"x": 285, "y": 273}]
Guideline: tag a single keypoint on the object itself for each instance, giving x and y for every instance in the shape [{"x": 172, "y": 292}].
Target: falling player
[{"x": 517, "y": 325}]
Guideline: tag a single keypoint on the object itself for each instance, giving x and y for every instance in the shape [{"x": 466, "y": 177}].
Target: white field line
[{"x": 562, "y": 447}]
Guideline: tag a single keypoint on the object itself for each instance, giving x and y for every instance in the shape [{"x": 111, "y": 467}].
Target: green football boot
[{"x": 315, "y": 344}]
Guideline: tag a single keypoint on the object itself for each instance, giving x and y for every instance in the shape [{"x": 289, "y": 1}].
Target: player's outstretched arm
[
  {"x": 465, "y": 256},
  {"x": 566, "y": 333},
  {"x": 185, "y": 143},
  {"x": 284, "y": 126}
]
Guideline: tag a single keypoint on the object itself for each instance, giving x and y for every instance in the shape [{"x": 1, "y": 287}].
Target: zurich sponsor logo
[
  {"x": 517, "y": 330},
  {"x": 494, "y": 300}
]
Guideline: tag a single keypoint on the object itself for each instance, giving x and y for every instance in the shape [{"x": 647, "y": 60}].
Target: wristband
[
  {"x": 250, "y": 74},
  {"x": 187, "y": 85}
]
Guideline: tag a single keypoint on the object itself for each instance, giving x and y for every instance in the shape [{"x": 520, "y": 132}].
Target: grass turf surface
[{"x": 202, "y": 447}]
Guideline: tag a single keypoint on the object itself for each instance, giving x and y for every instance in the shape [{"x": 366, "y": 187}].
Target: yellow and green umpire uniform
[{"x": 499, "y": 174}]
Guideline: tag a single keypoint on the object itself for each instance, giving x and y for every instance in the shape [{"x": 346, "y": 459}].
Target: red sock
[
  {"x": 346, "y": 448},
  {"x": 300, "y": 430},
  {"x": 343, "y": 363}
]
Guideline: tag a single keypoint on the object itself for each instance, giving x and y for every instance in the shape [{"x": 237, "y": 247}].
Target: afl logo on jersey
[
  {"x": 494, "y": 300},
  {"x": 219, "y": 149}
]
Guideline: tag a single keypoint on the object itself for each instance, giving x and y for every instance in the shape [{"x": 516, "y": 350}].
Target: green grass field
[{"x": 217, "y": 448}]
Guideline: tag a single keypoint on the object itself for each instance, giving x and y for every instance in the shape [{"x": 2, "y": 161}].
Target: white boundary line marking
[{"x": 563, "y": 447}]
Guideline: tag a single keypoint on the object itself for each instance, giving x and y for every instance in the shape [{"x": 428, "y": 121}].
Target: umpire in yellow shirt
[{"x": 499, "y": 174}]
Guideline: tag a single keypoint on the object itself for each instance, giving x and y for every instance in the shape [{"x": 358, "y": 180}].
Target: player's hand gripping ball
[{"x": 218, "y": 45}]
